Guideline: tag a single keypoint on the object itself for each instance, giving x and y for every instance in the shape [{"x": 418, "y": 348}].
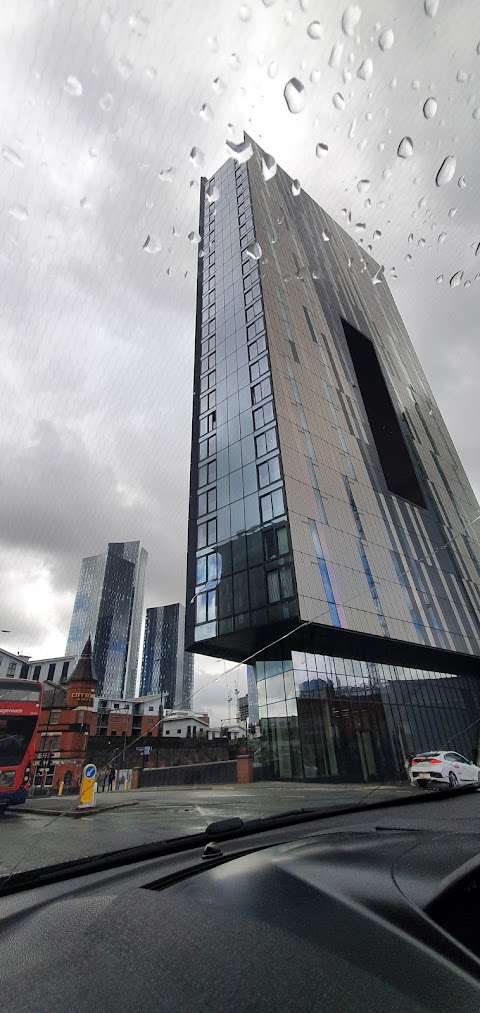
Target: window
[
  {"x": 116, "y": 706},
  {"x": 279, "y": 584},
  {"x": 293, "y": 349},
  {"x": 207, "y": 448},
  {"x": 150, "y": 708},
  {"x": 207, "y": 502},
  {"x": 275, "y": 543},
  {"x": 208, "y": 362},
  {"x": 266, "y": 442},
  {"x": 257, "y": 347},
  {"x": 268, "y": 472},
  {"x": 392, "y": 450},
  {"x": 64, "y": 675},
  {"x": 258, "y": 368},
  {"x": 36, "y": 672},
  {"x": 207, "y": 381},
  {"x": 51, "y": 671},
  {"x": 208, "y": 423},
  {"x": 12, "y": 667},
  {"x": 272, "y": 505},
  {"x": 310, "y": 325},
  {"x": 167, "y": 731},
  {"x": 54, "y": 717},
  {"x": 262, "y": 416},
  {"x": 261, "y": 390}
]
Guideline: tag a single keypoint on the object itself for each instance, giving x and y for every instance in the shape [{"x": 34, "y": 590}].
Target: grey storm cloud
[{"x": 97, "y": 333}]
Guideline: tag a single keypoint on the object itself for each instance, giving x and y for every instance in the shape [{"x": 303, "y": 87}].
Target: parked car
[{"x": 433, "y": 769}]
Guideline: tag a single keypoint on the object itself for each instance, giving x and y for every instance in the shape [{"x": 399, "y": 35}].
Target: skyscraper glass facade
[
  {"x": 108, "y": 608},
  {"x": 330, "y": 515},
  {"x": 166, "y": 666}
]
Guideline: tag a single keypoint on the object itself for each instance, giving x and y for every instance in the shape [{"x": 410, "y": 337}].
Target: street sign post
[{"x": 87, "y": 786}]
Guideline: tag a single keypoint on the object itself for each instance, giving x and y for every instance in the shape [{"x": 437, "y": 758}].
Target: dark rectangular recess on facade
[{"x": 386, "y": 431}]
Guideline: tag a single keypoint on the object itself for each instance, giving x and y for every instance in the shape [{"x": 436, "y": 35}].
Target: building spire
[{"x": 84, "y": 670}]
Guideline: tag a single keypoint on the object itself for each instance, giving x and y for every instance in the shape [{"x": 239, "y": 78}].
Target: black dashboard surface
[{"x": 368, "y": 911}]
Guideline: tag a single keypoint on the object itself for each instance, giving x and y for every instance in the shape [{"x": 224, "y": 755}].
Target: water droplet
[
  {"x": 415, "y": 84},
  {"x": 408, "y": 258},
  {"x": 405, "y": 148},
  {"x": 244, "y": 12},
  {"x": 218, "y": 85},
  {"x": 442, "y": 237},
  {"x": 106, "y": 19},
  {"x": 139, "y": 24},
  {"x": 369, "y": 117},
  {"x": 362, "y": 144},
  {"x": 254, "y": 250},
  {"x": 212, "y": 193},
  {"x": 212, "y": 43},
  {"x": 316, "y": 274},
  {"x": 296, "y": 187},
  {"x": 269, "y": 166},
  {"x": 315, "y": 75},
  {"x": 452, "y": 212},
  {"x": 410, "y": 238},
  {"x": 152, "y": 244},
  {"x": 197, "y": 158},
  {"x": 194, "y": 237},
  {"x": 151, "y": 72},
  {"x": 386, "y": 173},
  {"x": 240, "y": 152},
  {"x": 148, "y": 202},
  {"x": 85, "y": 204},
  {"x": 386, "y": 39},
  {"x": 346, "y": 75},
  {"x": 467, "y": 283},
  {"x": 365, "y": 69},
  {"x": 19, "y": 212},
  {"x": 377, "y": 278},
  {"x": 352, "y": 129},
  {"x": 206, "y": 112},
  {"x": 125, "y": 66},
  {"x": 431, "y": 7},
  {"x": 477, "y": 251},
  {"x": 321, "y": 150},
  {"x": 326, "y": 236},
  {"x": 294, "y": 95},
  {"x": 93, "y": 152},
  {"x": 377, "y": 234},
  {"x": 462, "y": 77},
  {"x": 272, "y": 69},
  {"x": 280, "y": 218},
  {"x": 477, "y": 277},
  {"x": 234, "y": 60},
  {"x": 72, "y": 86},
  {"x": 12, "y": 156},
  {"x": 363, "y": 185},
  {"x": 456, "y": 279},
  {"x": 314, "y": 30},
  {"x": 476, "y": 113},
  {"x": 336, "y": 55},
  {"x": 106, "y": 102},
  {"x": 268, "y": 3},
  {"x": 360, "y": 226},
  {"x": 430, "y": 108},
  {"x": 393, "y": 273},
  {"x": 288, "y": 18},
  {"x": 446, "y": 170},
  {"x": 462, "y": 182},
  {"x": 350, "y": 19},
  {"x": 338, "y": 101},
  {"x": 166, "y": 175},
  {"x": 421, "y": 242}
]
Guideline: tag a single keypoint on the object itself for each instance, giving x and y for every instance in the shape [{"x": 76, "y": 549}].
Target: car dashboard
[{"x": 364, "y": 911}]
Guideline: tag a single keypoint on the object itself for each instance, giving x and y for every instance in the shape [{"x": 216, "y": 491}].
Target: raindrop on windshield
[
  {"x": 410, "y": 238},
  {"x": 106, "y": 19},
  {"x": 315, "y": 75},
  {"x": 194, "y": 237},
  {"x": 405, "y": 148},
  {"x": 462, "y": 77},
  {"x": 321, "y": 150},
  {"x": 386, "y": 39},
  {"x": 106, "y": 102},
  {"x": 336, "y": 55},
  {"x": 151, "y": 72},
  {"x": 477, "y": 250},
  {"x": 326, "y": 236},
  {"x": 467, "y": 283},
  {"x": 346, "y": 75},
  {"x": 446, "y": 170},
  {"x": 431, "y": 7},
  {"x": 338, "y": 101},
  {"x": 206, "y": 112},
  {"x": 19, "y": 212},
  {"x": 456, "y": 279},
  {"x": 365, "y": 69},
  {"x": 377, "y": 234},
  {"x": 430, "y": 108},
  {"x": 240, "y": 152},
  {"x": 272, "y": 69},
  {"x": 408, "y": 258},
  {"x": 377, "y": 278},
  {"x": 12, "y": 156},
  {"x": 352, "y": 129},
  {"x": 166, "y": 175},
  {"x": 442, "y": 237},
  {"x": 85, "y": 204},
  {"x": 350, "y": 19},
  {"x": 125, "y": 66},
  {"x": 296, "y": 187},
  {"x": 462, "y": 182},
  {"x": 294, "y": 95},
  {"x": 139, "y": 23},
  {"x": 254, "y": 250},
  {"x": 218, "y": 85},
  {"x": 316, "y": 273},
  {"x": 244, "y": 12},
  {"x": 152, "y": 244},
  {"x": 234, "y": 60},
  {"x": 452, "y": 212},
  {"x": 212, "y": 193},
  {"x": 268, "y": 3},
  {"x": 269, "y": 166},
  {"x": 360, "y": 226},
  {"x": 439, "y": 279},
  {"x": 363, "y": 185},
  {"x": 197, "y": 157},
  {"x": 314, "y": 30},
  {"x": 476, "y": 113},
  {"x": 72, "y": 86}
]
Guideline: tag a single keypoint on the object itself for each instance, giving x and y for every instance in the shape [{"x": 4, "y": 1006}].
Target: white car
[{"x": 430, "y": 770}]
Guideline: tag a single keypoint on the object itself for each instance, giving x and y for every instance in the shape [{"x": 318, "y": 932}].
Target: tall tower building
[
  {"x": 166, "y": 666},
  {"x": 109, "y": 609},
  {"x": 332, "y": 531}
]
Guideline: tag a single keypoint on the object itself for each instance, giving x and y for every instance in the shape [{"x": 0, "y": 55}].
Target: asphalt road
[{"x": 46, "y": 834}]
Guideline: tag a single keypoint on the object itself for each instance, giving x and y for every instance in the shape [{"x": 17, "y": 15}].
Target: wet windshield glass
[{"x": 240, "y": 291}]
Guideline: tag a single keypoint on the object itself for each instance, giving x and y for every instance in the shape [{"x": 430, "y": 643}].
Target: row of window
[{"x": 249, "y": 589}]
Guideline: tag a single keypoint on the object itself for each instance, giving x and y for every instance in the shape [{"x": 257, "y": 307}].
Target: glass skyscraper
[
  {"x": 332, "y": 532},
  {"x": 109, "y": 609},
  {"x": 166, "y": 666}
]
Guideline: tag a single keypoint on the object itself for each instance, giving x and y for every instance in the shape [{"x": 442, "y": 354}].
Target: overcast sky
[{"x": 100, "y": 108}]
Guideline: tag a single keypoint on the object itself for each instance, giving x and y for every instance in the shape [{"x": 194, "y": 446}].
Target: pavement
[{"x": 38, "y": 833}]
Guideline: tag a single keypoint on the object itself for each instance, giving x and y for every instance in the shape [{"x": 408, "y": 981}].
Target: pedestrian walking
[{"x": 111, "y": 778}]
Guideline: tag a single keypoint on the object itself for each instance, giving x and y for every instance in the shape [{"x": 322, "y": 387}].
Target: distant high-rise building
[
  {"x": 166, "y": 666},
  {"x": 332, "y": 527},
  {"x": 109, "y": 609}
]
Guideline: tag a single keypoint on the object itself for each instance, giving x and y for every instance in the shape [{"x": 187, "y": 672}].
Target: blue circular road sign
[{"x": 90, "y": 770}]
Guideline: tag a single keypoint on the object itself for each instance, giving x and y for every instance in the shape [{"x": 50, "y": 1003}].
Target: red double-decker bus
[{"x": 20, "y": 705}]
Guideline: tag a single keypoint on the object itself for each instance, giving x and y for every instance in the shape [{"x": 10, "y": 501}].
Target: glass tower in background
[
  {"x": 166, "y": 666},
  {"x": 332, "y": 527},
  {"x": 109, "y": 608}
]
